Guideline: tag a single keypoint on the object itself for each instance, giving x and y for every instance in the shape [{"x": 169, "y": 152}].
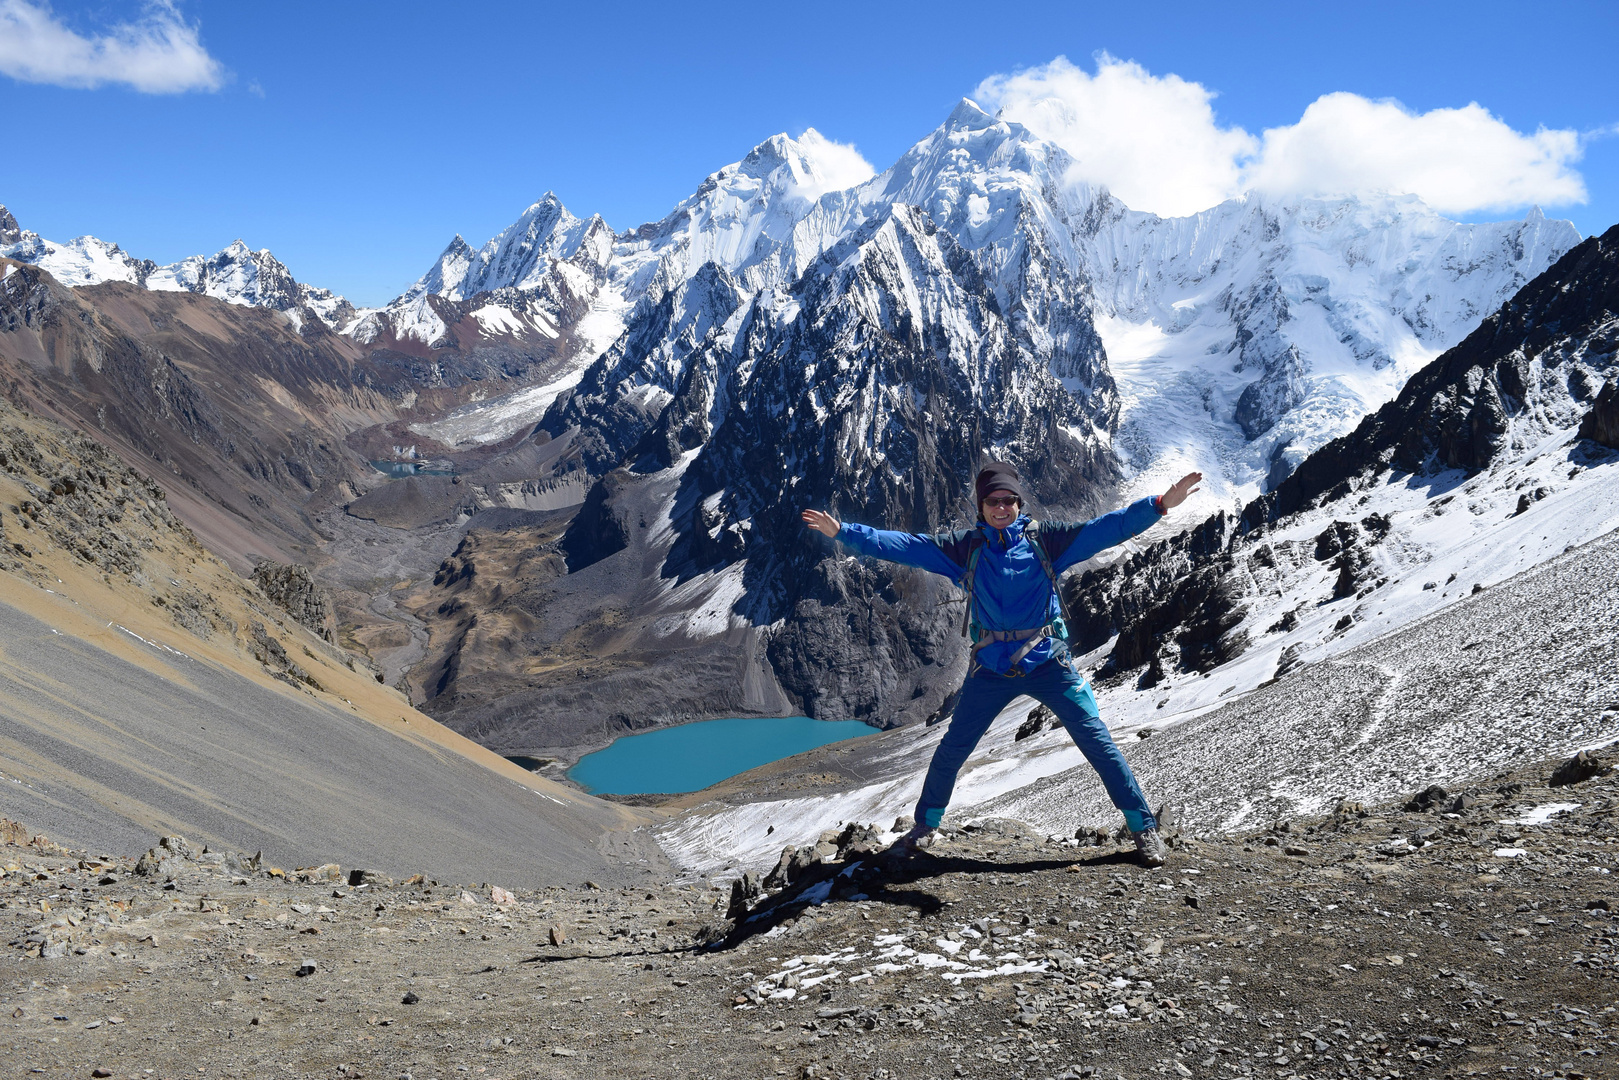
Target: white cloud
[
  {"x": 157, "y": 54},
  {"x": 1156, "y": 143},
  {"x": 837, "y": 165},
  {"x": 1457, "y": 160},
  {"x": 1153, "y": 141}
]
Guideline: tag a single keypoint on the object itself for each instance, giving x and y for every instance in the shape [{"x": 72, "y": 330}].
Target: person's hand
[
  {"x": 825, "y": 524},
  {"x": 1183, "y": 487}
]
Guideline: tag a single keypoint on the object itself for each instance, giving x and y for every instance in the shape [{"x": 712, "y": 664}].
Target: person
[{"x": 1010, "y": 565}]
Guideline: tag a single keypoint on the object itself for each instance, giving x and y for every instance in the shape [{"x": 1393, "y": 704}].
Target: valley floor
[{"x": 1470, "y": 937}]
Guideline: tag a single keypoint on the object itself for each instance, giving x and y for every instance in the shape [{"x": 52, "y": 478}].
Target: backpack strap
[
  {"x": 1031, "y": 532},
  {"x": 975, "y": 547}
]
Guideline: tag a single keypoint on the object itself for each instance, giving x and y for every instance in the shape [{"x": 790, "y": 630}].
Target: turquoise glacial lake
[{"x": 690, "y": 757}]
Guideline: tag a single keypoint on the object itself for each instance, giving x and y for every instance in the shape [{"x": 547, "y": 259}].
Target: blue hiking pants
[{"x": 1062, "y": 690}]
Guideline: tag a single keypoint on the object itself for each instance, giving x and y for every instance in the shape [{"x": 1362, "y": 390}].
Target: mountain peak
[
  {"x": 10, "y": 231},
  {"x": 968, "y": 116},
  {"x": 768, "y": 156}
]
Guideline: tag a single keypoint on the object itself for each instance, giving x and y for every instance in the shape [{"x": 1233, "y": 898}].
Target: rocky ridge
[{"x": 236, "y": 274}]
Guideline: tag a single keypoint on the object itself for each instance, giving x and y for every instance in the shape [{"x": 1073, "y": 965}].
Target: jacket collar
[{"x": 1006, "y": 537}]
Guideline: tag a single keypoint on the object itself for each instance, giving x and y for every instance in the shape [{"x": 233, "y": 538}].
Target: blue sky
[{"x": 354, "y": 139}]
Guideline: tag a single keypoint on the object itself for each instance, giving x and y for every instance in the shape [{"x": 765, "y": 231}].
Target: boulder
[
  {"x": 1040, "y": 718},
  {"x": 1427, "y": 799},
  {"x": 1581, "y": 767},
  {"x": 292, "y": 589},
  {"x": 1601, "y": 423},
  {"x": 744, "y": 890},
  {"x": 374, "y": 878}
]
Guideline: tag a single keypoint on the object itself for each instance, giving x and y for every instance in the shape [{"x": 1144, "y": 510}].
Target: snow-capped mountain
[
  {"x": 865, "y": 351},
  {"x": 587, "y": 283},
  {"x": 236, "y": 274},
  {"x": 1246, "y": 336},
  {"x": 1239, "y": 339}
]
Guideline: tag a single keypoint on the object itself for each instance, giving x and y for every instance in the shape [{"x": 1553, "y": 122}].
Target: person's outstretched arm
[
  {"x": 1073, "y": 544},
  {"x": 908, "y": 549}
]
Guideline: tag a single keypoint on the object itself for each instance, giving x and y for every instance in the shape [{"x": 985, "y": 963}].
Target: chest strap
[{"x": 1030, "y": 639}]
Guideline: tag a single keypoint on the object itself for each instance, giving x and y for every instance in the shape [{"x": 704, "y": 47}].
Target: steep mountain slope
[
  {"x": 262, "y": 423},
  {"x": 1475, "y": 471},
  {"x": 145, "y": 688},
  {"x": 1249, "y": 335},
  {"x": 251, "y": 414}
]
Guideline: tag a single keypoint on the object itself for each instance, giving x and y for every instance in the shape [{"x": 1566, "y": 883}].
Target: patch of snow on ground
[
  {"x": 494, "y": 319},
  {"x": 888, "y": 954},
  {"x": 1541, "y": 814}
]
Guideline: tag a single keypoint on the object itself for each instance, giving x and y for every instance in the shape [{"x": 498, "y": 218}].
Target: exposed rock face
[
  {"x": 600, "y": 528},
  {"x": 1601, "y": 424},
  {"x": 1273, "y": 394},
  {"x": 1524, "y": 375},
  {"x": 1547, "y": 346},
  {"x": 273, "y": 655},
  {"x": 293, "y": 590},
  {"x": 10, "y": 233}
]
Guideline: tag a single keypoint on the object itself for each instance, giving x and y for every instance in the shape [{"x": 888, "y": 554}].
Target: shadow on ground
[{"x": 879, "y": 877}]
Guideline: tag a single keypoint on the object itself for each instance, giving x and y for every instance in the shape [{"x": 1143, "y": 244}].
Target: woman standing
[{"x": 1009, "y": 565}]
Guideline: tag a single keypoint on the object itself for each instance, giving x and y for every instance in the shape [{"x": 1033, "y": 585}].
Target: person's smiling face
[{"x": 1000, "y": 509}]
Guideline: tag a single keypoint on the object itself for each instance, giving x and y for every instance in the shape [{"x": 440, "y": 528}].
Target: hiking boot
[
  {"x": 919, "y": 837},
  {"x": 1150, "y": 846}
]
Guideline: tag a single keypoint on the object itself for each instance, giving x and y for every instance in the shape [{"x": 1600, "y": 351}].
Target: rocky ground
[{"x": 1453, "y": 934}]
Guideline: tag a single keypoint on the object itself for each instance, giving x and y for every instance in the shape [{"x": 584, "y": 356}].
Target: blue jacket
[{"x": 1010, "y": 588}]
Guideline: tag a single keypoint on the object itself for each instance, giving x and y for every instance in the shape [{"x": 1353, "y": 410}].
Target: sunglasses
[{"x": 1002, "y": 502}]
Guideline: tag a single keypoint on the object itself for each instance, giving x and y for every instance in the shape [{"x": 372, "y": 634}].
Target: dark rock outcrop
[
  {"x": 1601, "y": 424},
  {"x": 294, "y": 590},
  {"x": 1578, "y": 769},
  {"x": 600, "y": 528}
]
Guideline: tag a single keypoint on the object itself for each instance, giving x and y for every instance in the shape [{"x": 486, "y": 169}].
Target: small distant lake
[
  {"x": 397, "y": 469},
  {"x": 690, "y": 757}
]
